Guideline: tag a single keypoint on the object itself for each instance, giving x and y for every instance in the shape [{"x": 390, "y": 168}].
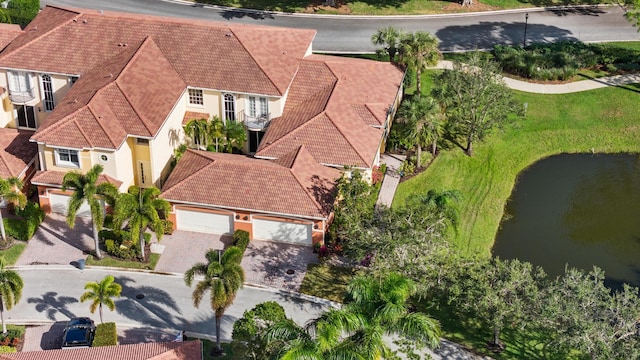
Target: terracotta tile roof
[
  {"x": 333, "y": 108},
  {"x": 123, "y": 96},
  {"x": 191, "y": 115},
  {"x": 188, "y": 350},
  {"x": 298, "y": 186},
  {"x": 8, "y": 32},
  {"x": 51, "y": 177},
  {"x": 228, "y": 57},
  {"x": 16, "y": 151}
]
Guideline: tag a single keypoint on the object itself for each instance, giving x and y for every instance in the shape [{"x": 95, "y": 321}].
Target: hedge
[
  {"x": 7, "y": 349},
  {"x": 241, "y": 239},
  {"x": 106, "y": 335},
  {"x": 23, "y": 229}
]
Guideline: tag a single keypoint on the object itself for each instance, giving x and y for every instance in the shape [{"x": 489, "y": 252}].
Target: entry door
[
  {"x": 26, "y": 116},
  {"x": 254, "y": 140},
  {"x": 144, "y": 174}
]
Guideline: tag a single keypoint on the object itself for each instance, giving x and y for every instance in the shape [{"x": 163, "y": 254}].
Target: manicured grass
[
  {"x": 111, "y": 262},
  {"x": 12, "y": 254},
  {"x": 603, "y": 121},
  {"x": 326, "y": 281}
]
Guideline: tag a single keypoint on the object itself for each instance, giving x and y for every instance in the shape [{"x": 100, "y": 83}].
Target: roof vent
[
  {"x": 34, "y": 28},
  {"x": 75, "y": 101},
  {"x": 228, "y": 34},
  {"x": 110, "y": 75},
  {"x": 101, "y": 12},
  {"x": 75, "y": 20},
  {"x": 125, "y": 44},
  {"x": 84, "y": 21}
]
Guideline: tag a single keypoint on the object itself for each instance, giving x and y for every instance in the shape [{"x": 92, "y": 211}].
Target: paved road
[
  {"x": 456, "y": 32},
  {"x": 51, "y": 294}
]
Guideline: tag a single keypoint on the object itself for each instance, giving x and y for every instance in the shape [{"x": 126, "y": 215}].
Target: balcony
[
  {"x": 255, "y": 123},
  {"x": 22, "y": 96}
]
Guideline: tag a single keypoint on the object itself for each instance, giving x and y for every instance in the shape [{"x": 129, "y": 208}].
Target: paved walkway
[
  {"x": 391, "y": 179},
  {"x": 572, "y": 87}
]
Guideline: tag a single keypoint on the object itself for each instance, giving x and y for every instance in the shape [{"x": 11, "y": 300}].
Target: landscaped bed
[{"x": 133, "y": 264}]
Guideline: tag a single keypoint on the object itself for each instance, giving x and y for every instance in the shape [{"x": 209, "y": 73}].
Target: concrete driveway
[
  {"x": 183, "y": 249},
  {"x": 56, "y": 243}
]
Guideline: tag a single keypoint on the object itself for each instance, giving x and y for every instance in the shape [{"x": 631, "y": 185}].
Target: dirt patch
[
  {"x": 476, "y": 7},
  {"x": 315, "y": 6}
]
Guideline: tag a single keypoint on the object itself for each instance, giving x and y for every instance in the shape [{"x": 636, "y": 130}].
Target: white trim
[
  {"x": 43, "y": 98},
  {"x": 65, "y": 163},
  {"x": 232, "y": 208},
  {"x": 224, "y": 107},
  {"x": 39, "y": 72}
]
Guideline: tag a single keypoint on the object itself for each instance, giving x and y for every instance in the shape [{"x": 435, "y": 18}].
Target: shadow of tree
[
  {"x": 147, "y": 304},
  {"x": 235, "y": 14},
  {"x": 52, "y": 304},
  {"x": 144, "y": 335}
]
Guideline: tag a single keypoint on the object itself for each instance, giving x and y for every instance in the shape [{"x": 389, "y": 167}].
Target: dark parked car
[{"x": 79, "y": 332}]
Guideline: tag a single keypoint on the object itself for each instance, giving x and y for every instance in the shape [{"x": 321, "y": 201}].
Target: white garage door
[
  {"x": 59, "y": 204},
  {"x": 206, "y": 222},
  {"x": 282, "y": 231}
]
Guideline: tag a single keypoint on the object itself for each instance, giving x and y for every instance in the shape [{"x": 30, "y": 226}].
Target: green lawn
[
  {"x": 326, "y": 281},
  {"x": 206, "y": 350},
  {"x": 604, "y": 120},
  {"x": 112, "y": 262},
  {"x": 12, "y": 254}
]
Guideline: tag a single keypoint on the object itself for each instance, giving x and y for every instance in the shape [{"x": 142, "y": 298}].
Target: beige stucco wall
[
  {"x": 162, "y": 147},
  {"x": 60, "y": 88},
  {"x": 211, "y": 101},
  {"x": 49, "y": 159}
]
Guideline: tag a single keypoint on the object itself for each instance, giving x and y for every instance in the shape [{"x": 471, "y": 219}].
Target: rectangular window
[
  {"x": 67, "y": 157},
  {"x": 26, "y": 116},
  {"x": 47, "y": 91},
  {"x": 252, "y": 106},
  {"x": 141, "y": 141},
  {"x": 264, "y": 107},
  {"x": 195, "y": 97}
]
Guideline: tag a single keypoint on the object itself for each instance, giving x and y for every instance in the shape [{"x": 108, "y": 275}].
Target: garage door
[
  {"x": 282, "y": 231},
  {"x": 59, "y": 204},
  {"x": 202, "y": 221}
]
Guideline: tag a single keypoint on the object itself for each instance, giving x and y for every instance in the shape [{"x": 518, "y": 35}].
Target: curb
[{"x": 383, "y": 17}]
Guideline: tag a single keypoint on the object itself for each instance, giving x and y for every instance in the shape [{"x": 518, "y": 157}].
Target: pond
[{"x": 576, "y": 209}]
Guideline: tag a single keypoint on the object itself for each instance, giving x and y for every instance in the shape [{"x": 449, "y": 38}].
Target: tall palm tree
[
  {"x": 101, "y": 293},
  {"x": 85, "y": 188},
  {"x": 418, "y": 51},
  {"x": 11, "y": 192},
  {"x": 11, "y": 285},
  {"x": 389, "y": 38},
  {"x": 425, "y": 123},
  {"x": 197, "y": 130},
  {"x": 235, "y": 135},
  {"x": 215, "y": 131},
  {"x": 140, "y": 208},
  {"x": 223, "y": 277}
]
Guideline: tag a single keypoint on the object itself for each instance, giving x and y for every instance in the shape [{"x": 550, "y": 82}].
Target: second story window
[
  {"x": 196, "y": 97},
  {"x": 20, "y": 88},
  {"x": 229, "y": 107},
  {"x": 47, "y": 92},
  {"x": 67, "y": 157},
  {"x": 72, "y": 80}
]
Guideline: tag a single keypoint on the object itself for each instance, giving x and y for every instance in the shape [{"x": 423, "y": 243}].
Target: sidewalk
[{"x": 391, "y": 179}]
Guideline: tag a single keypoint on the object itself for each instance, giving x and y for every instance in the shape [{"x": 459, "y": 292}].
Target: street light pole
[{"x": 526, "y": 20}]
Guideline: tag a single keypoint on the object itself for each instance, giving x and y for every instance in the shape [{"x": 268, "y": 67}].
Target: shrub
[
  {"x": 23, "y": 229},
  {"x": 167, "y": 225},
  {"x": 4, "y": 349},
  {"x": 241, "y": 239},
  {"x": 377, "y": 174},
  {"x": 110, "y": 245},
  {"x": 106, "y": 335}
]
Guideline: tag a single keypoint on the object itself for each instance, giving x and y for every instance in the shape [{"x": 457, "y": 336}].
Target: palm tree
[
  {"x": 11, "y": 285},
  {"x": 197, "y": 130},
  {"x": 85, "y": 188},
  {"x": 215, "y": 131},
  {"x": 418, "y": 51},
  {"x": 11, "y": 192},
  {"x": 223, "y": 277},
  {"x": 101, "y": 293},
  {"x": 389, "y": 38},
  {"x": 235, "y": 135},
  {"x": 140, "y": 207},
  {"x": 425, "y": 123}
]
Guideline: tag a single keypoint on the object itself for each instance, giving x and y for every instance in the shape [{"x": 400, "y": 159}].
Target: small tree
[
  {"x": 389, "y": 38},
  {"x": 11, "y": 192},
  {"x": 140, "y": 208},
  {"x": 235, "y": 136},
  {"x": 418, "y": 51},
  {"x": 101, "y": 293},
  {"x": 249, "y": 331},
  {"x": 197, "y": 130},
  {"x": 223, "y": 277},
  {"x": 216, "y": 132},
  {"x": 11, "y": 285},
  {"x": 85, "y": 188},
  {"x": 425, "y": 123}
]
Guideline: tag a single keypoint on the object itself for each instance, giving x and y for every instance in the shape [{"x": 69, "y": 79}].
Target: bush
[
  {"x": 118, "y": 243},
  {"x": 13, "y": 337},
  {"x": 23, "y": 229},
  {"x": 106, "y": 335},
  {"x": 4, "y": 349},
  {"x": 241, "y": 239},
  {"x": 167, "y": 225}
]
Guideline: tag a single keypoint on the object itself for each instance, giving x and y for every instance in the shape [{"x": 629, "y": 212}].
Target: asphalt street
[
  {"x": 456, "y": 32},
  {"x": 51, "y": 294}
]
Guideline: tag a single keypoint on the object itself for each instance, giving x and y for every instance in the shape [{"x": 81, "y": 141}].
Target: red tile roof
[
  {"x": 16, "y": 152},
  {"x": 8, "y": 32},
  {"x": 294, "y": 185},
  {"x": 123, "y": 96},
  {"x": 191, "y": 115},
  {"x": 335, "y": 108},
  {"x": 188, "y": 350},
  {"x": 228, "y": 57},
  {"x": 51, "y": 177}
]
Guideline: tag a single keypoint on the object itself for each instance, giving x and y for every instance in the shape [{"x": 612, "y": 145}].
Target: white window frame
[
  {"x": 196, "y": 97},
  {"x": 48, "y": 102},
  {"x": 69, "y": 153},
  {"x": 252, "y": 106},
  {"x": 264, "y": 106},
  {"x": 13, "y": 79},
  {"x": 232, "y": 101}
]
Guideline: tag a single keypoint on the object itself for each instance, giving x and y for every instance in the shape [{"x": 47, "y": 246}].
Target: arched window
[
  {"x": 47, "y": 90},
  {"x": 229, "y": 107}
]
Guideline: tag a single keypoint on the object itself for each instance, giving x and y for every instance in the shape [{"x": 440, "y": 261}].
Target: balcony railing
[
  {"x": 255, "y": 123},
  {"x": 21, "y": 96}
]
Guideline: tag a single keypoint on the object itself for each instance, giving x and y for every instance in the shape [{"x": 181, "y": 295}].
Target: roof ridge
[
  {"x": 346, "y": 138},
  {"x": 75, "y": 121},
  {"x": 212, "y": 161},
  {"x": 299, "y": 181},
  {"x": 290, "y": 133},
  {"x": 256, "y": 61},
  {"x": 98, "y": 120}
]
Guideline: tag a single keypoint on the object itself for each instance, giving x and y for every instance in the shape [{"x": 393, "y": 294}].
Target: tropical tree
[
  {"x": 249, "y": 331},
  {"x": 216, "y": 132},
  {"x": 418, "y": 51},
  {"x": 442, "y": 203},
  {"x": 11, "y": 192},
  {"x": 389, "y": 38},
  {"x": 140, "y": 207},
  {"x": 235, "y": 135},
  {"x": 197, "y": 130},
  {"x": 223, "y": 277},
  {"x": 11, "y": 285},
  {"x": 101, "y": 293},
  {"x": 475, "y": 99},
  {"x": 86, "y": 189},
  {"x": 632, "y": 12},
  {"x": 425, "y": 123}
]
